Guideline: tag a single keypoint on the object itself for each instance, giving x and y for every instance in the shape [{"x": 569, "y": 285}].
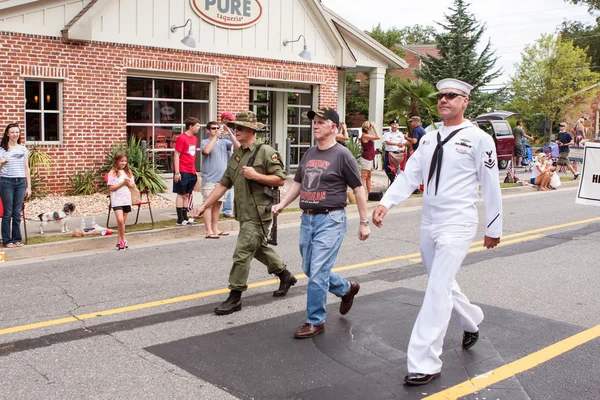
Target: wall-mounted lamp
[
  {"x": 35, "y": 99},
  {"x": 47, "y": 98},
  {"x": 304, "y": 53},
  {"x": 189, "y": 40}
]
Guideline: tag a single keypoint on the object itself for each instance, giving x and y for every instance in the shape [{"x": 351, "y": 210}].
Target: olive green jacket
[{"x": 267, "y": 162}]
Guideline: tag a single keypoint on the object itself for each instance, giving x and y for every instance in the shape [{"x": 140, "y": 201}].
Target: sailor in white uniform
[{"x": 449, "y": 222}]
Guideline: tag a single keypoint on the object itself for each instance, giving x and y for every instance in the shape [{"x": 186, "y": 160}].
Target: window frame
[{"x": 42, "y": 111}]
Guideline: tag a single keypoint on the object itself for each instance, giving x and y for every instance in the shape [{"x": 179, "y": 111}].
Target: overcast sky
[{"x": 510, "y": 24}]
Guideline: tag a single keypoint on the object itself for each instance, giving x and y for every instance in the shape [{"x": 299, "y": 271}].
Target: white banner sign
[
  {"x": 231, "y": 14},
  {"x": 589, "y": 186}
]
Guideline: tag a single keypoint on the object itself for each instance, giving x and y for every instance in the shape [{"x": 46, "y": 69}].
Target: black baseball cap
[
  {"x": 394, "y": 121},
  {"x": 327, "y": 113}
]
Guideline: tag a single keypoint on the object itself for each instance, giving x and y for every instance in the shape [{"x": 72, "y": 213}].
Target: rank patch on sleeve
[
  {"x": 237, "y": 158},
  {"x": 490, "y": 163},
  {"x": 274, "y": 157}
]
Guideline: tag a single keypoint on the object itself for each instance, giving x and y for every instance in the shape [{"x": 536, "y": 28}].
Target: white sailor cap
[{"x": 451, "y": 83}]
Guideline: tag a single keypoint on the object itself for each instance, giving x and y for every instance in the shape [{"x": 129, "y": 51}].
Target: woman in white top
[
  {"x": 15, "y": 184},
  {"x": 541, "y": 173}
]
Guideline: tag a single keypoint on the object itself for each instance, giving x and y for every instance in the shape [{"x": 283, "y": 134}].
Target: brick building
[{"x": 82, "y": 76}]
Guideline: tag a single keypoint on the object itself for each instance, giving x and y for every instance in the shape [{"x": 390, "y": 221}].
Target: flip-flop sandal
[
  {"x": 223, "y": 233},
  {"x": 10, "y": 245},
  {"x": 18, "y": 244},
  {"x": 212, "y": 236}
]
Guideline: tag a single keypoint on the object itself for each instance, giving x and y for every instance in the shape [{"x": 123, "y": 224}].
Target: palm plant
[
  {"x": 414, "y": 98},
  {"x": 38, "y": 159}
]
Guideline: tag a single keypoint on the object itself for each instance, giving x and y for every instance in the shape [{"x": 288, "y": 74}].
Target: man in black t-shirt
[
  {"x": 321, "y": 181},
  {"x": 564, "y": 140}
]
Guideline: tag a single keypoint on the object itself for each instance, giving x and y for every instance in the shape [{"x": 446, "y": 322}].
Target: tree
[
  {"x": 458, "y": 55},
  {"x": 357, "y": 96},
  {"x": 550, "y": 79},
  {"x": 592, "y": 4},
  {"x": 410, "y": 98},
  {"x": 586, "y": 37},
  {"x": 417, "y": 34},
  {"x": 389, "y": 38}
]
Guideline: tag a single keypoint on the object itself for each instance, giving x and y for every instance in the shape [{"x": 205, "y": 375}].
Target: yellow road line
[
  {"x": 195, "y": 296},
  {"x": 516, "y": 367}
]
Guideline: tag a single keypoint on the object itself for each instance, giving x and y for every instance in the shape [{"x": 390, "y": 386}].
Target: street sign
[{"x": 589, "y": 186}]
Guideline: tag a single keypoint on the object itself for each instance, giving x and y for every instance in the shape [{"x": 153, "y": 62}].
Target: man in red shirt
[{"x": 184, "y": 166}]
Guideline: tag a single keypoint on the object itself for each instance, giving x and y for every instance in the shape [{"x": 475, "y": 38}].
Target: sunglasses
[
  {"x": 214, "y": 128},
  {"x": 449, "y": 95},
  {"x": 238, "y": 128}
]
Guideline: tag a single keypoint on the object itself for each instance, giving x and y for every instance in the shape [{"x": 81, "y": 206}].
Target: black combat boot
[
  {"x": 231, "y": 305},
  {"x": 286, "y": 281}
]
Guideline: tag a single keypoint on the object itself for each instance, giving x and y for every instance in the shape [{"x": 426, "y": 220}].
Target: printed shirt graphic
[
  {"x": 15, "y": 168},
  {"x": 325, "y": 175},
  {"x": 121, "y": 196}
]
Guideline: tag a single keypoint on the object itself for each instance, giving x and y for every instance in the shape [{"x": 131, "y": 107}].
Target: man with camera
[{"x": 215, "y": 148}]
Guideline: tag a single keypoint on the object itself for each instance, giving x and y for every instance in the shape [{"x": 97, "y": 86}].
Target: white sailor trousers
[{"x": 443, "y": 249}]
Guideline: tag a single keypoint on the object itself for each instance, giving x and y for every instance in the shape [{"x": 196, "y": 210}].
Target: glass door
[
  {"x": 261, "y": 104},
  {"x": 299, "y": 128}
]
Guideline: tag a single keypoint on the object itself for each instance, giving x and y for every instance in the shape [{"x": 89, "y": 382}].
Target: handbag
[
  {"x": 136, "y": 195},
  {"x": 555, "y": 181}
]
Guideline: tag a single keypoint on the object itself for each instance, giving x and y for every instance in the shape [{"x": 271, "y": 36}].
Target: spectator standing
[
  {"x": 120, "y": 183},
  {"x": 215, "y": 148},
  {"x": 15, "y": 184},
  {"x": 227, "y": 117},
  {"x": 184, "y": 167},
  {"x": 564, "y": 140},
  {"x": 449, "y": 223},
  {"x": 322, "y": 180},
  {"x": 252, "y": 168},
  {"x": 367, "y": 141},
  {"x": 342, "y": 135},
  {"x": 394, "y": 143},
  {"x": 520, "y": 142},
  {"x": 417, "y": 132}
]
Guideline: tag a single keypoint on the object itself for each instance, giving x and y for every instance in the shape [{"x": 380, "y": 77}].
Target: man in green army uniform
[{"x": 252, "y": 168}]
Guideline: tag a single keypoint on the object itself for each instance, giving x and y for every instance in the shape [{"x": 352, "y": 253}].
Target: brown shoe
[
  {"x": 348, "y": 298},
  {"x": 307, "y": 331}
]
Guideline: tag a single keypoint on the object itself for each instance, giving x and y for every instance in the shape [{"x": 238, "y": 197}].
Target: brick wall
[{"x": 94, "y": 76}]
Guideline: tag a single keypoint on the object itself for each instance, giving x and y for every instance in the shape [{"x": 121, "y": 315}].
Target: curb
[{"x": 158, "y": 236}]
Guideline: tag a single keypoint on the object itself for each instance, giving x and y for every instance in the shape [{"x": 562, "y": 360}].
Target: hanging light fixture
[
  {"x": 189, "y": 40},
  {"x": 304, "y": 53}
]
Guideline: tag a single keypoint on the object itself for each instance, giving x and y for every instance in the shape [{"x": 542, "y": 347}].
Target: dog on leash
[{"x": 57, "y": 216}]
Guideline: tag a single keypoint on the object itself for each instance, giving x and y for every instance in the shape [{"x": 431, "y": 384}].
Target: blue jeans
[
  {"x": 321, "y": 236},
  {"x": 12, "y": 192},
  {"x": 228, "y": 204}
]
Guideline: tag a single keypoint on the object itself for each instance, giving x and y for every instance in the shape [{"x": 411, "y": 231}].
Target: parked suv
[{"x": 496, "y": 124}]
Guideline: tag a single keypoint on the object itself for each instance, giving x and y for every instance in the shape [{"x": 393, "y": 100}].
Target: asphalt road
[{"x": 98, "y": 326}]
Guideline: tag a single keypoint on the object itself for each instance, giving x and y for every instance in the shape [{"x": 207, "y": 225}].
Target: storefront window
[
  {"x": 42, "y": 111},
  {"x": 261, "y": 103},
  {"x": 157, "y": 108}
]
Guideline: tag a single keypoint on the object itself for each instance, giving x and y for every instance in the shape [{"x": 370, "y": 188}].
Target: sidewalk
[{"x": 159, "y": 236}]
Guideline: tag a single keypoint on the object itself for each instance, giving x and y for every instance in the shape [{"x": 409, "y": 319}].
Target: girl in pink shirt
[{"x": 120, "y": 183}]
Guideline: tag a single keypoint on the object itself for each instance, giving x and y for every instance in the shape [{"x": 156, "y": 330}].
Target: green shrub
[
  {"x": 355, "y": 148},
  {"x": 82, "y": 183}
]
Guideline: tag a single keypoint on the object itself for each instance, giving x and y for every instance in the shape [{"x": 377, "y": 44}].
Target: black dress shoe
[
  {"x": 286, "y": 281},
  {"x": 307, "y": 331},
  {"x": 348, "y": 298},
  {"x": 417, "y": 379},
  {"x": 469, "y": 339}
]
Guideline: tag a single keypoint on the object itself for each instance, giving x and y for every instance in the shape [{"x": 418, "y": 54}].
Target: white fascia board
[
  {"x": 346, "y": 57},
  {"x": 15, "y": 3},
  {"x": 81, "y": 29},
  {"x": 394, "y": 61}
]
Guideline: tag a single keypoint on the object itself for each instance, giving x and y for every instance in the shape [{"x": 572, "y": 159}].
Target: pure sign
[{"x": 231, "y": 14}]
